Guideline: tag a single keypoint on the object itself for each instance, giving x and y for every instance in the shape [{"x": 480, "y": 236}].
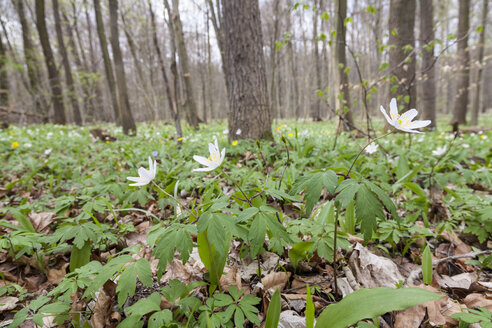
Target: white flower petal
[
  {"x": 138, "y": 184},
  {"x": 135, "y": 179},
  {"x": 203, "y": 169},
  {"x": 409, "y": 115},
  {"x": 418, "y": 124},
  {"x": 385, "y": 114},
  {"x": 202, "y": 160},
  {"x": 393, "y": 107},
  {"x": 211, "y": 148}
]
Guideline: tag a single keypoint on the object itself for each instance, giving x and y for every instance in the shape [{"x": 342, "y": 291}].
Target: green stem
[
  {"x": 236, "y": 185},
  {"x": 360, "y": 152}
]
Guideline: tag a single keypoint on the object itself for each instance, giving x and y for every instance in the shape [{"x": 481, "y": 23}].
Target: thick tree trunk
[
  {"x": 54, "y": 78},
  {"x": 345, "y": 121},
  {"x": 108, "y": 67},
  {"x": 32, "y": 62},
  {"x": 4, "y": 84},
  {"x": 72, "y": 93},
  {"x": 248, "y": 93},
  {"x": 402, "y": 57},
  {"x": 478, "y": 80},
  {"x": 129, "y": 127},
  {"x": 463, "y": 76},
  {"x": 428, "y": 71}
]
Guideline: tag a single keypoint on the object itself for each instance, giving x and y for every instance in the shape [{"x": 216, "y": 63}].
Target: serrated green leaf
[
  {"x": 367, "y": 209},
  {"x": 127, "y": 284},
  {"x": 257, "y": 235},
  {"x": 144, "y": 272},
  {"x": 299, "y": 252}
]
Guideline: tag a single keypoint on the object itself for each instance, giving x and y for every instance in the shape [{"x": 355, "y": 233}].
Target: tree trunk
[
  {"x": 32, "y": 62},
  {"x": 54, "y": 78},
  {"x": 402, "y": 57},
  {"x": 72, "y": 93},
  {"x": 4, "y": 84},
  {"x": 171, "y": 96},
  {"x": 108, "y": 67},
  {"x": 316, "y": 109},
  {"x": 274, "y": 59},
  {"x": 129, "y": 127},
  {"x": 293, "y": 69},
  {"x": 478, "y": 80},
  {"x": 463, "y": 76},
  {"x": 248, "y": 93},
  {"x": 177, "y": 30},
  {"x": 428, "y": 72},
  {"x": 345, "y": 121}
]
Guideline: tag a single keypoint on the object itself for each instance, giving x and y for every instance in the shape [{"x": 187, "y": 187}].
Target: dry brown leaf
[
  {"x": 300, "y": 282},
  {"x": 373, "y": 271},
  {"x": 477, "y": 300},
  {"x": 230, "y": 278},
  {"x": 33, "y": 282},
  {"x": 41, "y": 221},
  {"x": 410, "y": 318},
  {"x": 56, "y": 275},
  {"x": 460, "y": 248},
  {"x": 8, "y": 303},
  {"x": 463, "y": 280},
  {"x": 102, "y": 308},
  {"x": 275, "y": 280}
]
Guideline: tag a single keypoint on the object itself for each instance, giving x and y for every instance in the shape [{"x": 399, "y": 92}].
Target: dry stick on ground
[{"x": 415, "y": 273}]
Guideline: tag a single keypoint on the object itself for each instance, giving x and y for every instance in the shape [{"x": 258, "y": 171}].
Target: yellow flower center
[{"x": 401, "y": 122}]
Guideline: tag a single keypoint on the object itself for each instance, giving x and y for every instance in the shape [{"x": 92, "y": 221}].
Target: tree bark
[
  {"x": 177, "y": 30},
  {"x": 129, "y": 127},
  {"x": 4, "y": 84},
  {"x": 316, "y": 108},
  {"x": 428, "y": 71},
  {"x": 345, "y": 121},
  {"x": 402, "y": 57},
  {"x": 72, "y": 93},
  {"x": 54, "y": 78},
  {"x": 478, "y": 80},
  {"x": 108, "y": 67},
  {"x": 171, "y": 96},
  {"x": 293, "y": 69},
  {"x": 248, "y": 93},
  {"x": 463, "y": 76},
  {"x": 274, "y": 60},
  {"x": 32, "y": 62}
]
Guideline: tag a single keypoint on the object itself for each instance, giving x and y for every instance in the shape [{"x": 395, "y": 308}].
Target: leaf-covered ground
[{"x": 79, "y": 246}]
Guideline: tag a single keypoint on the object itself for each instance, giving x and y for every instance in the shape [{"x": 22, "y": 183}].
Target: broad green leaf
[
  {"x": 310, "y": 309},
  {"x": 427, "y": 266},
  {"x": 367, "y": 209},
  {"x": 273, "y": 313},
  {"x": 299, "y": 252},
  {"x": 80, "y": 257},
  {"x": 369, "y": 303}
]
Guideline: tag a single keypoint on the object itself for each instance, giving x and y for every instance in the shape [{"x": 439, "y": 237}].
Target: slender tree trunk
[
  {"x": 4, "y": 84},
  {"x": 478, "y": 80},
  {"x": 84, "y": 80},
  {"x": 127, "y": 121},
  {"x": 210, "y": 79},
  {"x": 346, "y": 121},
  {"x": 274, "y": 58},
  {"x": 108, "y": 67},
  {"x": 32, "y": 62},
  {"x": 293, "y": 69},
  {"x": 402, "y": 57},
  {"x": 463, "y": 76},
  {"x": 245, "y": 62},
  {"x": 316, "y": 109},
  {"x": 428, "y": 72},
  {"x": 171, "y": 96},
  {"x": 54, "y": 78},
  {"x": 72, "y": 93},
  {"x": 177, "y": 30}
]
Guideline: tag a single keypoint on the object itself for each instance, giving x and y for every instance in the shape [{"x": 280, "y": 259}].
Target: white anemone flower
[
  {"x": 372, "y": 148},
  {"x": 439, "y": 151},
  {"x": 144, "y": 176},
  {"x": 213, "y": 161},
  {"x": 404, "y": 121}
]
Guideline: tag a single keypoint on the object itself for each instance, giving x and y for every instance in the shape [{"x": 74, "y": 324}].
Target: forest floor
[{"x": 252, "y": 241}]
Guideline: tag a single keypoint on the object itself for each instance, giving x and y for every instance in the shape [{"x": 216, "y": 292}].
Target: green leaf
[
  {"x": 145, "y": 305},
  {"x": 213, "y": 260},
  {"x": 80, "y": 257},
  {"x": 22, "y": 219},
  {"x": 144, "y": 272},
  {"x": 369, "y": 303},
  {"x": 161, "y": 318},
  {"x": 247, "y": 214},
  {"x": 127, "y": 284},
  {"x": 325, "y": 16},
  {"x": 273, "y": 314},
  {"x": 347, "y": 190},
  {"x": 367, "y": 209},
  {"x": 299, "y": 251},
  {"x": 371, "y": 10},
  {"x": 427, "y": 266},
  {"x": 257, "y": 235},
  {"x": 310, "y": 309},
  {"x": 349, "y": 220},
  {"x": 313, "y": 183}
]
